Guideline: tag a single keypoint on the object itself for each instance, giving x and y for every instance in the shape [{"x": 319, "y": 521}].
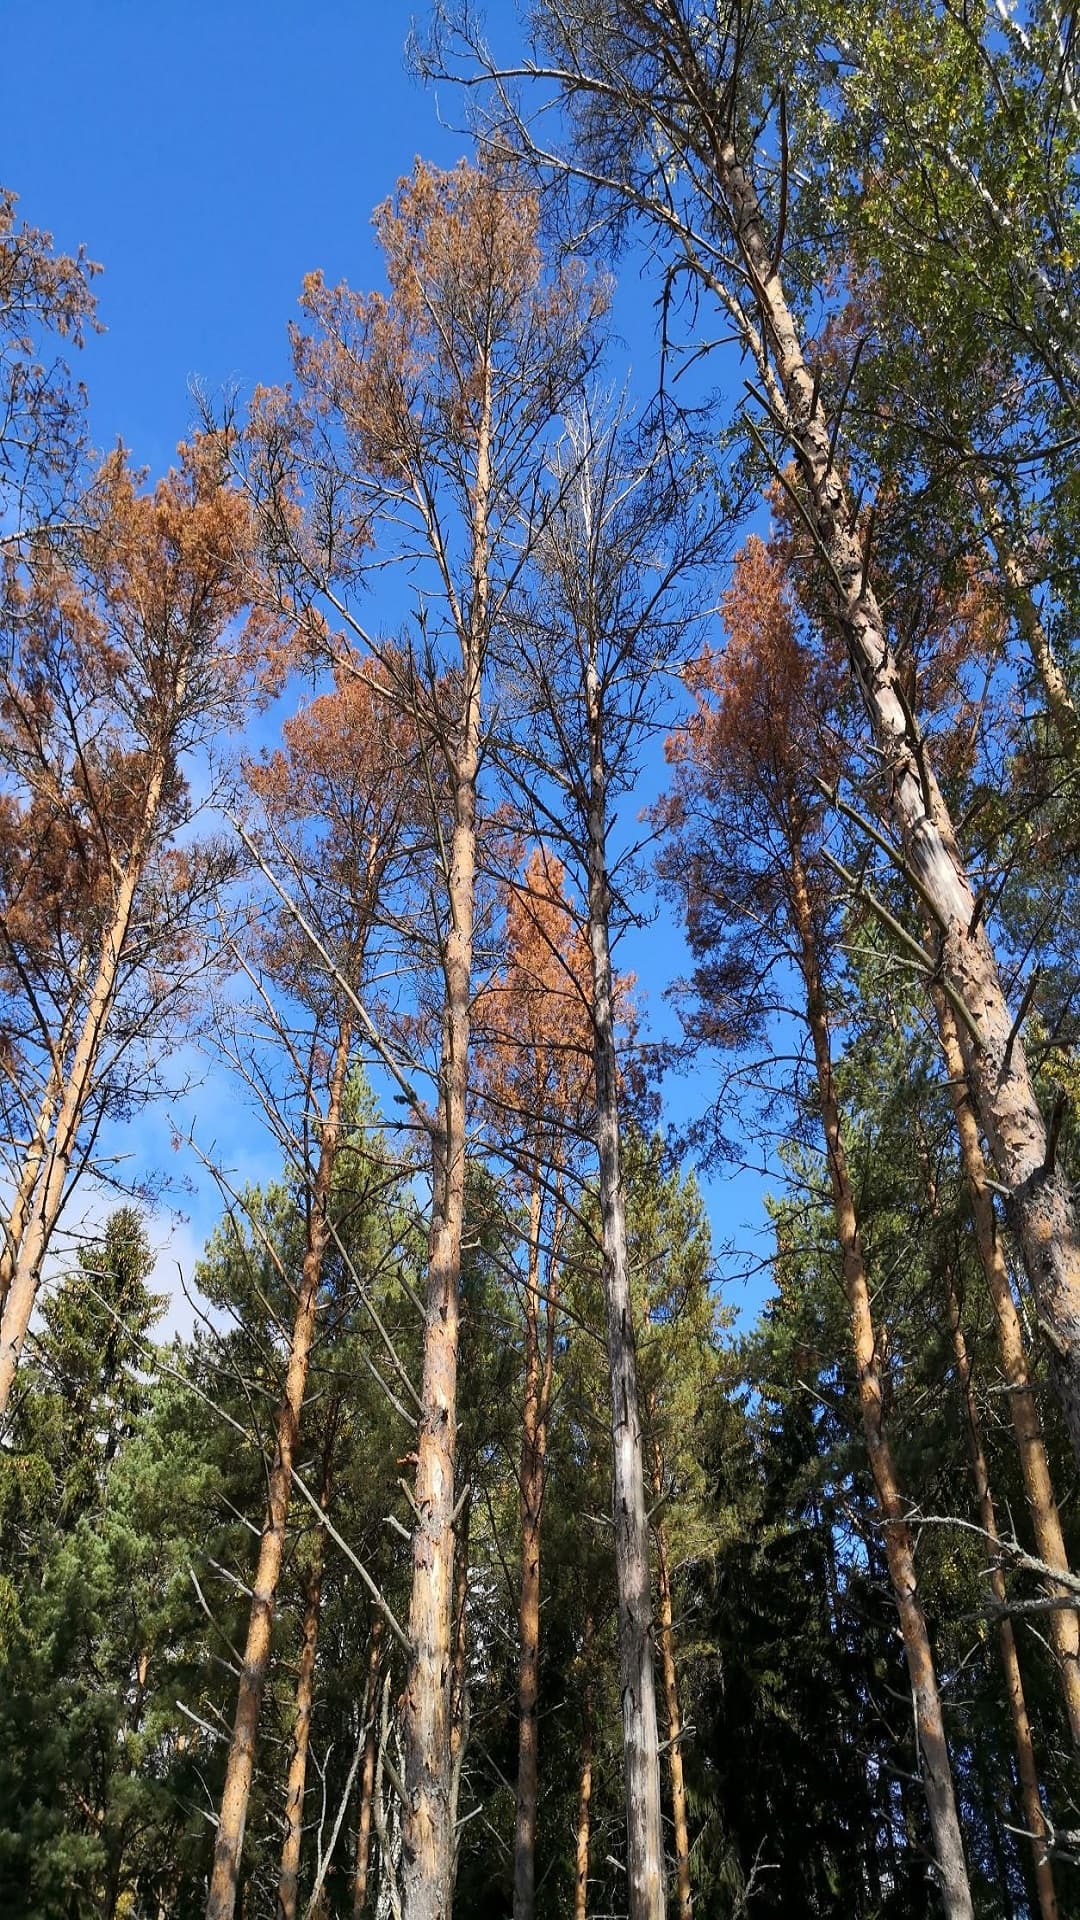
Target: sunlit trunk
[
  {"x": 427, "y": 1853},
  {"x": 296, "y": 1782},
  {"x": 240, "y": 1767}
]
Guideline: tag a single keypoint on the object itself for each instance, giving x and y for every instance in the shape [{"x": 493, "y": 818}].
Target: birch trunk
[
  {"x": 1042, "y": 1207},
  {"x": 671, "y": 1700},
  {"x": 228, "y": 1848},
  {"x": 641, "y": 1754},
  {"x": 899, "y": 1547},
  {"x": 1027, "y": 1771},
  {"x": 367, "y": 1776},
  {"x": 427, "y": 1851},
  {"x": 1063, "y": 1627}
]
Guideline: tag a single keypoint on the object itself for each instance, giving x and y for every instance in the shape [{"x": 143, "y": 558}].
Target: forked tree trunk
[
  {"x": 899, "y": 1547},
  {"x": 367, "y": 1774},
  {"x": 1062, "y": 1626},
  {"x": 427, "y": 1831},
  {"x": 1043, "y": 1205},
  {"x": 532, "y": 1475},
  {"x": 1027, "y": 1771},
  {"x": 584, "y": 1811},
  {"x": 55, "y": 1164},
  {"x": 228, "y": 1848},
  {"x": 296, "y": 1782},
  {"x": 671, "y": 1698},
  {"x": 641, "y": 1746}
]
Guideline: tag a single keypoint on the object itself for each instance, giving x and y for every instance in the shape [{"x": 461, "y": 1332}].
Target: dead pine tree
[
  {"x": 609, "y": 605},
  {"x": 417, "y": 430},
  {"x": 662, "y": 125},
  {"x": 745, "y": 821},
  {"x": 122, "y": 660},
  {"x": 535, "y": 1082},
  {"x": 335, "y": 803}
]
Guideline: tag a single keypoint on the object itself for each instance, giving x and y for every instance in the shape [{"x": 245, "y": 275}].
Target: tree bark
[
  {"x": 641, "y": 1747},
  {"x": 427, "y": 1850},
  {"x": 1027, "y": 1771},
  {"x": 671, "y": 1699},
  {"x": 228, "y": 1848},
  {"x": 367, "y": 1776},
  {"x": 1063, "y": 1627},
  {"x": 19, "y": 1211},
  {"x": 1042, "y": 1205},
  {"x": 289, "y": 1877},
  {"x": 899, "y": 1546},
  {"x": 459, "y": 1684}
]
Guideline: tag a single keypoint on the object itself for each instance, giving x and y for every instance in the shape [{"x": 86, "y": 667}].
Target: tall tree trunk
[
  {"x": 459, "y": 1682},
  {"x": 1027, "y": 1771},
  {"x": 51, "y": 1188},
  {"x": 367, "y": 1775},
  {"x": 228, "y": 1848},
  {"x": 427, "y": 1832},
  {"x": 584, "y": 1812},
  {"x": 296, "y": 1782},
  {"x": 1063, "y": 1626},
  {"x": 1042, "y": 1203},
  {"x": 532, "y": 1475},
  {"x": 641, "y": 1746},
  {"x": 899, "y": 1546},
  {"x": 671, "y": 1697},
  {"x": 19, "y": 1210}
]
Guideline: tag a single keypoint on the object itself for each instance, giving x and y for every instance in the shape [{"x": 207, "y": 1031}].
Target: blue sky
[{"x": 209, "y": 156}]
